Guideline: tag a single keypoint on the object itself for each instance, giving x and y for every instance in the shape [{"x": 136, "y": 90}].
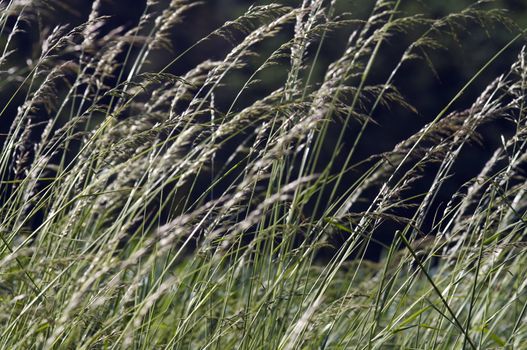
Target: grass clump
[{"x": 140, "y": 208}]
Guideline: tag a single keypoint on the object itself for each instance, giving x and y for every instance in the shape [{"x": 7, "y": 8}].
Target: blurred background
[{"x": 427, "y": 86}]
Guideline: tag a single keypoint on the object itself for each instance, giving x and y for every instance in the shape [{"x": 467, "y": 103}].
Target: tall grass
[{"x": 138, "y": 212}]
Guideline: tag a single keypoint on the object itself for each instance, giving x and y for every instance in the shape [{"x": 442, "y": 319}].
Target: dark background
[{"x": 425, "y": 89}]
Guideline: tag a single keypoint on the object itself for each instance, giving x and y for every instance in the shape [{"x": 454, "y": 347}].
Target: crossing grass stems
[{"x": 109, "y": 239}]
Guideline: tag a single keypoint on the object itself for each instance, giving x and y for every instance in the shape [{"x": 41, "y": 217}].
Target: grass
[{"x": 139, "y": 210}]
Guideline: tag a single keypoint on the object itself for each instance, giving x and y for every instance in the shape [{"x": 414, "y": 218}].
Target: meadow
[{"x": 241, "y": 203}]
